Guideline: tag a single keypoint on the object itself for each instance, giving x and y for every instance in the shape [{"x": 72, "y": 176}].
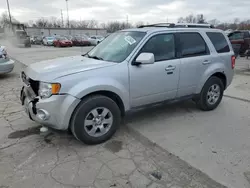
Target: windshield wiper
[{"x": 93, "y": 57}]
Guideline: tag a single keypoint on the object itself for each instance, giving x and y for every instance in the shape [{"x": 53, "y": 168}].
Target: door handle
[
  {"x": 206, "y": 62},
  {"x": 170, "y": 68}
]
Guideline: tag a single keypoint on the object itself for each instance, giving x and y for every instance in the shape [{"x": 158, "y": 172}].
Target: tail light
[{"x": 233, "y": 61}]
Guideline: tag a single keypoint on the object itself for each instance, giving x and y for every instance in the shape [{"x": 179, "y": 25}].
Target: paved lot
[
  {"x": 38, "y": 53},
  {"x": 28, "y": 159},
  {"x": 215, "y": 142}
]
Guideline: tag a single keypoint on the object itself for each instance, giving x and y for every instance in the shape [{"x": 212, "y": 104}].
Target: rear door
[{"x": 195, "y": 58}]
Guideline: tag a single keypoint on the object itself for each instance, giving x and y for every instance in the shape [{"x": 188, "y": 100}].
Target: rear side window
[
  {"x": 219, "y": 42},
  {"x": 192, "y": 44}
]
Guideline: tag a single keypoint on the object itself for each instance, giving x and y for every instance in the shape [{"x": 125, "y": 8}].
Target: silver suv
[{"x": 132, "y": 68}]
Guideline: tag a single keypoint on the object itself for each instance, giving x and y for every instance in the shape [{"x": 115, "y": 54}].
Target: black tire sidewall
[
  {"x": 82, "y": 110},
  {"x": 203, "y": 103}
]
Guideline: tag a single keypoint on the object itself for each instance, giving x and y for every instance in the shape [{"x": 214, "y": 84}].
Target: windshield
[
  {"x": 117, "y": 46},
  {"x": 50, "y": 38},
  {"x": 63, "y": 38}
]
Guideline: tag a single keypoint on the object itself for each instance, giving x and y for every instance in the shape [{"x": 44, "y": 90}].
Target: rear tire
[
  {"x": 90, "y": 125},
  {"x": 211, "y": 94}
]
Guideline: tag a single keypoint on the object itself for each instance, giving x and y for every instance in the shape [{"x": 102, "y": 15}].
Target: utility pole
[
  {"x": 127, "y": 21},
  {"x": 67, "y": 11},
  {"x": 62, "y": 17},
  {"x": 9, "y": 14}
]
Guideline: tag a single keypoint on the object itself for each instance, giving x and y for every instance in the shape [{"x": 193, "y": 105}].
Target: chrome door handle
[
  {"x": 206, "y": 62},
  {"x": 170, "y": 68}
]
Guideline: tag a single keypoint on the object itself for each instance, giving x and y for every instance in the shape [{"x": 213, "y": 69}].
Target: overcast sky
[{"x": 151, "y": 11}]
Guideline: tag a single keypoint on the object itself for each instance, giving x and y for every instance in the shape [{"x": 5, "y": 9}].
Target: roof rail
[
  {"x": 172, "y": 25},
  {"x": 158, "y": 25}
]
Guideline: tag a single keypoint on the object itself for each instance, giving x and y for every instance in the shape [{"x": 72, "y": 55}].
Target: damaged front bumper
[{"x": 54, "y": 112}]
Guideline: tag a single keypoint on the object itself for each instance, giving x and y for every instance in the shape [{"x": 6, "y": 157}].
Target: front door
[{"x": 151, "y": 83}]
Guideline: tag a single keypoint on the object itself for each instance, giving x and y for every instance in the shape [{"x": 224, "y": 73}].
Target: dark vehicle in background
[
  {"x": 36, "y": 40},
  {"x": 21, "y": 38},
  {"x": 240, "y": 41},
  {"x": 81, "y": 41},
  {"x": 62, "y": 42}
]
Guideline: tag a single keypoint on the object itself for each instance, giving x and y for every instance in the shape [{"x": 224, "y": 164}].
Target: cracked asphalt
[{"x": 55, "y": 159}]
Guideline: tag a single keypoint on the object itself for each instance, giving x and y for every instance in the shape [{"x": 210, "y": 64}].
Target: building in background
[{"x": 33, "y": 31}]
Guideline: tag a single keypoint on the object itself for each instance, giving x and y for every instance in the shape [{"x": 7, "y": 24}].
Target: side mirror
[{"x": 145, "y": 58}]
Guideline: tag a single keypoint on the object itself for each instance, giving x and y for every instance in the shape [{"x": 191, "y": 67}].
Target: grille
[{"x": 34, "y": 85}]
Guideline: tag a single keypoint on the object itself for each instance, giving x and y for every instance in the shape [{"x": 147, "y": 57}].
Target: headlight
[{"x": 48, "y": 89}]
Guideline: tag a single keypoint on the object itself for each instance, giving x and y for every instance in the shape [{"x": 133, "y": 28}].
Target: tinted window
[
  {"x": 192, "y": 44},
  {"x": 236, "y": 36},
  {"x": 246, "y": 34},
  {"x": 162, "y": 46},
  {"x": 219, "y": 42}
]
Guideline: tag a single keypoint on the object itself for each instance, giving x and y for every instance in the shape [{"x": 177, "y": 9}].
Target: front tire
[
  {"x": 211, "y": 94},
  {"x": 95, "y": 119}
]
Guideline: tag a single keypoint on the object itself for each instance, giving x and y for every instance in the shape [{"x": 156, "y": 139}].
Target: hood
[
  {"x": 65, "y": 41},
  {"x": 51, "y": 69}
]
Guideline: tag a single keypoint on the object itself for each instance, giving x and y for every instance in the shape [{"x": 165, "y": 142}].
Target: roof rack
[
  {"x": 158, "y": 25},
  {"x": 179, "y": 25}
]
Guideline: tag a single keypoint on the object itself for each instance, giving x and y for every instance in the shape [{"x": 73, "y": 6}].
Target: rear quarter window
[{"x": 219, "y": 41}]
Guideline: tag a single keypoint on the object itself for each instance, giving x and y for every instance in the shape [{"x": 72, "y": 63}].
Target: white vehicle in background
[
  {"x": 94, "y": 40},
  {"x": 6, "y": 64},
  {"x": 48, "y": 41}
]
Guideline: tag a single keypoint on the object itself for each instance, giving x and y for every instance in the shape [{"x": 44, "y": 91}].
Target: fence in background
[{"x": 64, "y": 31}]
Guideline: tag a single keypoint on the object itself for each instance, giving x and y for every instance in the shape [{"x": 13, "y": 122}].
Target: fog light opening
[{"x": 42, "y": 114}]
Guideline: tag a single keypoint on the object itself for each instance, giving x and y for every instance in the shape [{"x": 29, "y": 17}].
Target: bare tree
[
  {"x": 103, "y": 25},
  {"x": 214, "y": 22},
  {"x": 138, "y": 24},
  {"x": 93, "y": 24},
  {"x": 83, "y": 24},
  {"x": 42, "y": 22},
  {"x": 200, "y": 19},
  {"x": 191, "y": 19},
  {"x": 181, "y": 20},
  {"x": 116, "y": 26},
  {"x": 5, "y": 21},
  {"x": 54, "y": 22}
]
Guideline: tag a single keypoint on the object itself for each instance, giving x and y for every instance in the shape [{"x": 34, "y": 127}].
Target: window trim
[
  {"x": 179, "y": 47},
  {"x": 158, "y": 34},
  {"x": 214, "y": 45}
]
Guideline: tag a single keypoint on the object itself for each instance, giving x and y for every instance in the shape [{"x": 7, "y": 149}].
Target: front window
[
  {"x": 117, "y": 46},
  {"x": 162, "y": 46}
]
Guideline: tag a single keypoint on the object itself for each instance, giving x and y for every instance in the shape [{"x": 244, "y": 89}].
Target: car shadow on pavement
[{"x": 158, "y": 110}]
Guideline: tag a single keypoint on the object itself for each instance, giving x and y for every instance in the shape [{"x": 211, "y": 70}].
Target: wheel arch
[
  {"x": 112, "y": 95},
  {"x": 216, "y": 70}
]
